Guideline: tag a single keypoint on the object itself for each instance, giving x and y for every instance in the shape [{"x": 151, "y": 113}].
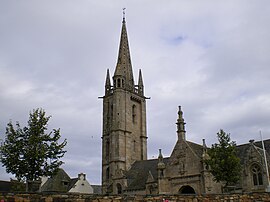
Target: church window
[
  {"x": 118, "y": 83},
  {"x": 134, "y": 113},
  {"x": 123, "y": 83},
  {"x": 257, "y": 175}
]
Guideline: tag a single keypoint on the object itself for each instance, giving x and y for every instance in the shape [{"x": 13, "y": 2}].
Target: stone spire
[
  {"x": 107, "y": 83},
  {"x": 123, "y": 71},
  {"x": 181, "y": 125},
  {"x": 140, "y": 84}
]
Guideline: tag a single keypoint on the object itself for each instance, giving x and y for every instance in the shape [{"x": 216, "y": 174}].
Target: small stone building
[{"x": 62, "y": 183}]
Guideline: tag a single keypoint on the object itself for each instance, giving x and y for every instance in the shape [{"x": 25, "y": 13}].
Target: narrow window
[
  {"x": 134, "y": 113},
  {"x": 134, "y": 146},
  {"x": 118, "y": 83},
  {"x": 111, "y": 118},
  {"x": 107, "y": 152}
]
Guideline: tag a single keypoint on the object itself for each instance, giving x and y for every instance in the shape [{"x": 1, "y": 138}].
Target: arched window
[
  {"x": 119, "y": 188},
  {"x": 256, "y": 175}
]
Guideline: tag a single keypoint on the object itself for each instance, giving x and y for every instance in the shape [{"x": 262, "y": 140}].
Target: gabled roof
[
  {"x": 138, "y": 173},
  {"x": 57, "y": 183}
]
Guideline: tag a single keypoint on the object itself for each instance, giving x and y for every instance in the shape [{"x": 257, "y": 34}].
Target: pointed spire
[
  {"x": 108, "y": 83},
  {"x": 124, "y": 68},
  {"x": 140, "y": 83},
  {"x": 181, "y": 125}
]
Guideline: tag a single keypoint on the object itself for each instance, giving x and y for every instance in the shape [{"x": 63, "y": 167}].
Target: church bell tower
[{"x": 124, "y": 138}]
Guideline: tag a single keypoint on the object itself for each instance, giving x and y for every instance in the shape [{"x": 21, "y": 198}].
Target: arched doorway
[
  {"x": 119, "y": 188},
  {"x": 186, "y": 190}
]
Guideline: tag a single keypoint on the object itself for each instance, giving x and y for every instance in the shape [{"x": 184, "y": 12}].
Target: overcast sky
[{"x": 210, "y": 57}]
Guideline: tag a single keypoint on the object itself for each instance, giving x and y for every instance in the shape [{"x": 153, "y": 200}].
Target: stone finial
[
  {"x": 160, "y": 157},
  {"x": 204, "y": 144},
  {"x": 161, "y": 165},
  {"x": 181, "y": 125}
]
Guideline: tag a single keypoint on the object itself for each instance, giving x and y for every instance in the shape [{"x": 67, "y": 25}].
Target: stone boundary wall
[{"x": 254, "y": 197}]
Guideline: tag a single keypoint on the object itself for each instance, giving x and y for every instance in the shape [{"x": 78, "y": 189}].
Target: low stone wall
[{"x": 254, "y": 197}]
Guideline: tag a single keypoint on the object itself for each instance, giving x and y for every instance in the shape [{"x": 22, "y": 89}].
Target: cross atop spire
[{"x": 124, "y": 15}]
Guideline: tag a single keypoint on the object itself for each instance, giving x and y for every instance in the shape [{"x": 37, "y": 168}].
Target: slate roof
[
  {"x": 72, "y": 182},
  {"x": 198, "y": 149},
  {"x": 138, "y": 173},
  {"x": 242, "y": 149}
]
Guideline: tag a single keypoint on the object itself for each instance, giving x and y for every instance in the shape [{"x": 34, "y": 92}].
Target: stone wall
[{"x": 254, "y": 197}]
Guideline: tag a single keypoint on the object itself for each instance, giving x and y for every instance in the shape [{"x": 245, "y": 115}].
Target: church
[{"x": 125, "y": 167}]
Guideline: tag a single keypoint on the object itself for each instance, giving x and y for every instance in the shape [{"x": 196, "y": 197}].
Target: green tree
[
  {"x": 223, "y": 162},
  {"x": 32, "y": 152}
]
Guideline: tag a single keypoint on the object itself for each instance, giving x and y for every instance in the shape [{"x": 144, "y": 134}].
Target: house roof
[
  {"x": 57, "y": 183},
  {"x": 72, "y": 182}
]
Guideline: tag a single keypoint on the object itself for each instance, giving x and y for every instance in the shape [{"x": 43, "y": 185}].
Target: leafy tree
[
  {"x": 32, "y": 152},
  {"x": 223, "y": 162}
]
